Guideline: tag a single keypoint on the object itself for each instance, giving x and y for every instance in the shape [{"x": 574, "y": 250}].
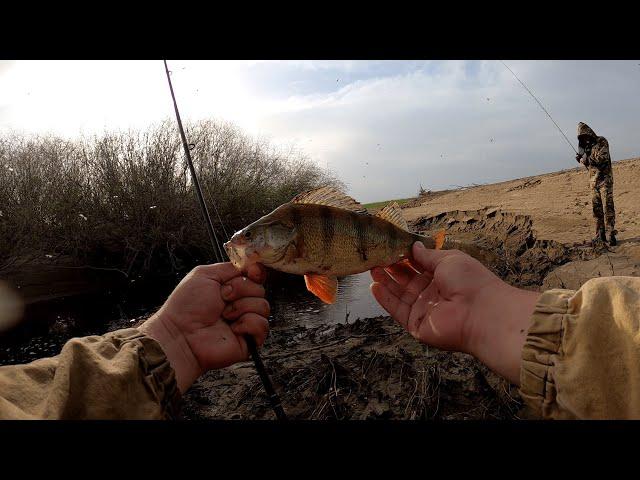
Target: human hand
[
  {"x": 202, "y": 324},
  {"x": 451, "y": 301}
]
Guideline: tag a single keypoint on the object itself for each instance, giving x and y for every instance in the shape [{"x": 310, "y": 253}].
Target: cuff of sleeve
[
  {"x": 542, "y": 347},
  {"x": 158, "y": 374}
]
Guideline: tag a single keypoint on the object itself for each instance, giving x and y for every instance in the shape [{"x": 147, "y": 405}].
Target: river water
[{"x": 292, "y": 304}]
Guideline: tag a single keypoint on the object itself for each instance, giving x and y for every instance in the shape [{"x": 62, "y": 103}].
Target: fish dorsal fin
[
  {"x": 392, "y": 214},
  {"x": 321, "y": 286},
  {"x": 330, "y": 197}
]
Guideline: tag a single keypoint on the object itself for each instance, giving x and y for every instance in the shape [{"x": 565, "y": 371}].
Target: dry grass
[{"x": 125, "y": 200}]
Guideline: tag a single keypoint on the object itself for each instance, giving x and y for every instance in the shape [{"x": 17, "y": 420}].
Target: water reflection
[{"x": 292, "y": 304}]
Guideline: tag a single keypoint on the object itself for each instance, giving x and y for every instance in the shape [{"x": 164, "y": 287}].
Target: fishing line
[
  {"x": 187, "y": 151},
  {"x": 215, "y": 208},
  {"x": 192, "y": 146},
  {"x": 276, "y": 405},
  {"x": 541, "y": 106}
]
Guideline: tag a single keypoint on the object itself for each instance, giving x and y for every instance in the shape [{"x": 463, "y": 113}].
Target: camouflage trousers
[{"x": 603, "y": 191}]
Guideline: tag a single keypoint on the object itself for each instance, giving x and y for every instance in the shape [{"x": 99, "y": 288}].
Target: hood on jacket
[{"x": 586, "y": 130}]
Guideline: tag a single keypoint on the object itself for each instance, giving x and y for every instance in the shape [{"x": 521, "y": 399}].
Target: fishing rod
[
  {"x": 187, "y": 151},
  {"x": 274, "y": 399},
  {"x": 541, "y": 106}
]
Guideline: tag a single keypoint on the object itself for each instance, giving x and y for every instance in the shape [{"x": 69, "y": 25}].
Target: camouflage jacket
[
  {"x": 120, "y": 375},
  {"x": 598, "y": 160}
]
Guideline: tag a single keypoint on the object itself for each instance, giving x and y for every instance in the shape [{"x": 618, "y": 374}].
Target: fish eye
[{"x": 247, "y": 234}]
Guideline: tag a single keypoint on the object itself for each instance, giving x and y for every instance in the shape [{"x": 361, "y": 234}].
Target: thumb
[
  {"x": 220, "y": 272},
  {"x": 428, "y": 259}
]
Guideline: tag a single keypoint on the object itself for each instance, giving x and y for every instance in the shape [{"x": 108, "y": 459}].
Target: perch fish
[{"x": 324, "y": 234}]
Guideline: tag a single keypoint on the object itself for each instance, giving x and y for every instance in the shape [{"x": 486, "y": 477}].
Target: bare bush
[
  {"x": 125, "y": 199},
  {"x": 422, "y": 192}
]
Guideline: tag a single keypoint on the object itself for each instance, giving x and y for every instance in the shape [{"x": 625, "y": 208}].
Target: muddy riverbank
[{"x": 366, "y": 370}]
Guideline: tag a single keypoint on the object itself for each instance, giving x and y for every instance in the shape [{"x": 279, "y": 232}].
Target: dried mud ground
[{"x": 370, "y": 369}]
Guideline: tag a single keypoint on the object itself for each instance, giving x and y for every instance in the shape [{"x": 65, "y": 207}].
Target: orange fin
[
  {"x": 407, "y": 263},
  {"x": 439, "y": 239},
  {"x": 323, "y": 287}
]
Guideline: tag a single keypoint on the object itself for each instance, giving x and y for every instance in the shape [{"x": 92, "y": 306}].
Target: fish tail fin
[{"x": 439, "y": 238}]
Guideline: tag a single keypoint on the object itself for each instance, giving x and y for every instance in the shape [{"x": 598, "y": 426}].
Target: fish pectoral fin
[
  {"x": 323, "y": 287},
  {"x": 406, "y": 262},
  {"x": 438, "y": 238}
]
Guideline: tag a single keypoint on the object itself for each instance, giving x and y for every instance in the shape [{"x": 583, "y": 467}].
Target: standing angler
[
  {"x": 324, "y": 234},
  {"x": 594, "y": 155}
]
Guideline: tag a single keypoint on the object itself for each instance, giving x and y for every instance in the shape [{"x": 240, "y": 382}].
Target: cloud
[
  {"x": 384, "y": 126},
  {"x": 386, "y": 135}
]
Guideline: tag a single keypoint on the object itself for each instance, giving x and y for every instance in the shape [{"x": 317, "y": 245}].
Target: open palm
[{"x": 434, "y": 297}]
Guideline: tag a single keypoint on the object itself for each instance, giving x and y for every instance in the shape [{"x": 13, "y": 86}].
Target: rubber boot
[{"x": 612, "y": 240}]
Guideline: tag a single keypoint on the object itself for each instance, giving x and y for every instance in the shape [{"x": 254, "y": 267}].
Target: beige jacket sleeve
[
  {"x": 120, "y": 375},
  {"x": 581, "y": 358}
]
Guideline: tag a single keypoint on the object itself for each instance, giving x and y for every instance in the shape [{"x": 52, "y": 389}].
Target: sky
[{"x": 384, "y": 127}]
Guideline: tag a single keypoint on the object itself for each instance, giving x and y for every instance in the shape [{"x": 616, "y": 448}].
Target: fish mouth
[
  {"x": 240, "y": 255},
  {"x": 233, "y": 252}
]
